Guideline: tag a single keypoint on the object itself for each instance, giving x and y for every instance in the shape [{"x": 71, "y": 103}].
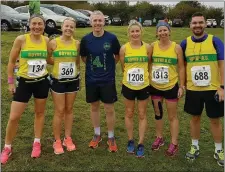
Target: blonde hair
[
  {"x": 134, "y": 23},
  {"x": 97, "y": 12},
  {"x": 70, "y": 19}
]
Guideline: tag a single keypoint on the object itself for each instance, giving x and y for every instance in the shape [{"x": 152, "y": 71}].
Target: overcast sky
[{"x": 214, "y": 4}]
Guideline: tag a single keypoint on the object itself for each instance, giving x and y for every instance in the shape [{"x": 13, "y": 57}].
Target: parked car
[
  {"x": 117, "y": 21},
  {"x": 222, "y": 23},
  {"x": 177, "y": 23},
  {"x": 67, "y": 12},
  {"x": 211, "y": 23},
  {"x": 147, "y": 23},
  {"x": 11, "y": 19},
  {"x": 52, "y": 19},
  {"x": 84, "y": 16}
]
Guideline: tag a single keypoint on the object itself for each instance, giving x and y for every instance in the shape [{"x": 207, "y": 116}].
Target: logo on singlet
[{"x": 107, "y": 46}]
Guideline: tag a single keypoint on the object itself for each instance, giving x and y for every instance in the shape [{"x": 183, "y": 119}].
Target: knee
[
  {"x": 69, "y": 110},
  {"x": 142, "y": 114},
  {"x": 14, "y": 118},
  {"x": 60, "y": 112},
  {"x": 196, "y": 119},
  {"x": 129, "y": 113},
  {"x": 94, "y": 108},
  {"x": 215, "y": 121},
  {"x": 109, "y": 111},
  {"x": 39, "y": 113},
  {"x": 172, "y": 118}
]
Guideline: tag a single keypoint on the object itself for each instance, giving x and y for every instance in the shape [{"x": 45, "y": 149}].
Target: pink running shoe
[
  {"x": 172, "y": 150},
  {"x": 58, "y": 149},
  {"x": 68, "y": 142},
  {"x": 6, "y": 153},
  {"x": 36, "y": 152},
  {"x": 157, "y": 143}
]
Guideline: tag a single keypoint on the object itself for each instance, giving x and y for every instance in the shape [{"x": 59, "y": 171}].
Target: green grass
[{"x": 85, "y": 159}]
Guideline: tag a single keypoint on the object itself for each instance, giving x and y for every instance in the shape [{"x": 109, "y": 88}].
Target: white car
[
  {"x": 52, "y": 19},
  {"x": 211, "y": 22}
]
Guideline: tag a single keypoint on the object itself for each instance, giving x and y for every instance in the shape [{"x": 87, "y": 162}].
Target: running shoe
[
  {"x": 95, "y": 141},
  {"x": 36, "y": 151},
  {"x": 157, "y": 143},
  {"x": 68, "y": 143},
  {"x": 219, "y": 156}
]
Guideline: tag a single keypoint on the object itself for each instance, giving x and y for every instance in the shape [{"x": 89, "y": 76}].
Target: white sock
[
  {"x": 37, "y": 140},
  {"x": 195, "y": 143},
  {"x": 218, "y": 146},
  {"x": 8, "y": 146},
  {"x": 110, "y": 134},
  {"x": 97, "y": 131}
]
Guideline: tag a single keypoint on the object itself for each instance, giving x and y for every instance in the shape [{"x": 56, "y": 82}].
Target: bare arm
[
  {"x": 122, "y": 56},
  {"x": 51, "y": 47},
  {"x": 78, "y": 55},
  {"x": 150, "y": 52},
  {"x": 117, "y": 58},
  {"x": 84, "y": 59},
  {"x": 14, "y": 54},
  {"x": 181, "y": 66},
  {"x": 221, "y": 68}
]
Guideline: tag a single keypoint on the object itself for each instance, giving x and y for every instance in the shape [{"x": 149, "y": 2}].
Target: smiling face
[
  {"x": 163, "y": 32},
  {"x": 68, "y": 27},
  {"x": 97, "y": 22},
  {"x": 198, "y": 25},
  {"x": 37, "y": 26},
  {"x": 135, "y": 32}
]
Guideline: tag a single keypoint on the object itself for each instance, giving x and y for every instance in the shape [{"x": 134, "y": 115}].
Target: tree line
[{"x": 182, "y": 10}]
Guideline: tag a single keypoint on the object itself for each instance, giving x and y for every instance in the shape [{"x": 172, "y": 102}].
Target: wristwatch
[{"x": 222, "y": 86}]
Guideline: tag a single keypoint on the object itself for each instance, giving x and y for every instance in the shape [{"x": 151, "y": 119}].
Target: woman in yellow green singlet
[
  {"x": 166, "y": 56},
  {"x": 135, "y": 66},
  {"x": 64, "y": 51},
  {"x": 32, "y": 79}
]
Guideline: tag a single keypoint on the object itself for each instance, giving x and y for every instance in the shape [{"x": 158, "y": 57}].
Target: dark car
[
  {"x": 68, "y": 12},
  {"x": 177, "y": 23},
  {"x": 117, "y": 21},
  {"x": 11, "y": 19}
]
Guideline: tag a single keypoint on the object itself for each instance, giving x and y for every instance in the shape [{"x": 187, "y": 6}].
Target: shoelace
[
  {"x": 221, "y": 154},
  {"x": 193, "y": 149},
  {"x": 36, "y": 146},
  {"x": 111, "y": 140},
  {"x": 157, "y": 141},
  {"x": 6, "y": 151},
  {"x": 141, "y": 148},
  {"x": 95, "y": 137},
  {"x": 130, "y": 143},
  {"x": 171, "y": 147}
]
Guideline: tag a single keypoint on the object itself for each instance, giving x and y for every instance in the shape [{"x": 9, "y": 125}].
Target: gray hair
[
  {"x": 97, "y": 12},
  {"x": 38, "y": 16}
]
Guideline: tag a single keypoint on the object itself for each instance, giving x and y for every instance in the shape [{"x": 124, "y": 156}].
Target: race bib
[
  {"x": 201, "y": 75},
  {"x": 135, "y": 76},
  {"x": 160, "y": 74},
  {"x": 67, "y": 70},
  {"x": 36, "y": 68}
]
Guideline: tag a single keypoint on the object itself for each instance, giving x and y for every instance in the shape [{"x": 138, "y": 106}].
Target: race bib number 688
[{"x": 201, "y": 75}]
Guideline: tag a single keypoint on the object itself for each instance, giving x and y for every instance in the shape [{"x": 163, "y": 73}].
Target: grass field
[{"x": 85, "y": 159}]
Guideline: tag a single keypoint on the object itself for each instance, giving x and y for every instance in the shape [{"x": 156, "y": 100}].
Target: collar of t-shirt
[{"x": 199, "y": 39}]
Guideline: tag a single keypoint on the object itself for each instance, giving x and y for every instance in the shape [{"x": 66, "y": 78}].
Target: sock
[
  {"x": 8, "y": 146},
  {"x": 195, "y": 143},
  {"x": 97, "y": 131},
  {"x": 37, "y": 140},
  {"x": 110, "y": 134},
  {"x": 218, "y": 146}
]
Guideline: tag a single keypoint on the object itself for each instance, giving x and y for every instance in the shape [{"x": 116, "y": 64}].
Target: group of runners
[{"x": 162, "y": 71}]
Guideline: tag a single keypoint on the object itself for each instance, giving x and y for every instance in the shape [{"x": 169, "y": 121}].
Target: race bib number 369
[
  {"x": 67, "y": 70},
  {"x": 135, "y": 76},
  {"x": 160, "y": 74},
  {"x": 201, "y": 75},
  {"x": 36, "y": 68}
]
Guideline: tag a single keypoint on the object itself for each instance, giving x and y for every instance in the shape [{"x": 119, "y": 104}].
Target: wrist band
[
  {"x": 10, "y": 80},
  {"x": 222, "y": 86}
]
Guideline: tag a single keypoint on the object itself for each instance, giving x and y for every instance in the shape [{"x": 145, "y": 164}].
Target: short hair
[
  {"x": 134, "y": 22},
  {"x": 97, "y": 12},
  {"x": 197, "y": 14},
  {"x": 38, "y": 16},
  {"x": 69, "y": 18}
]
